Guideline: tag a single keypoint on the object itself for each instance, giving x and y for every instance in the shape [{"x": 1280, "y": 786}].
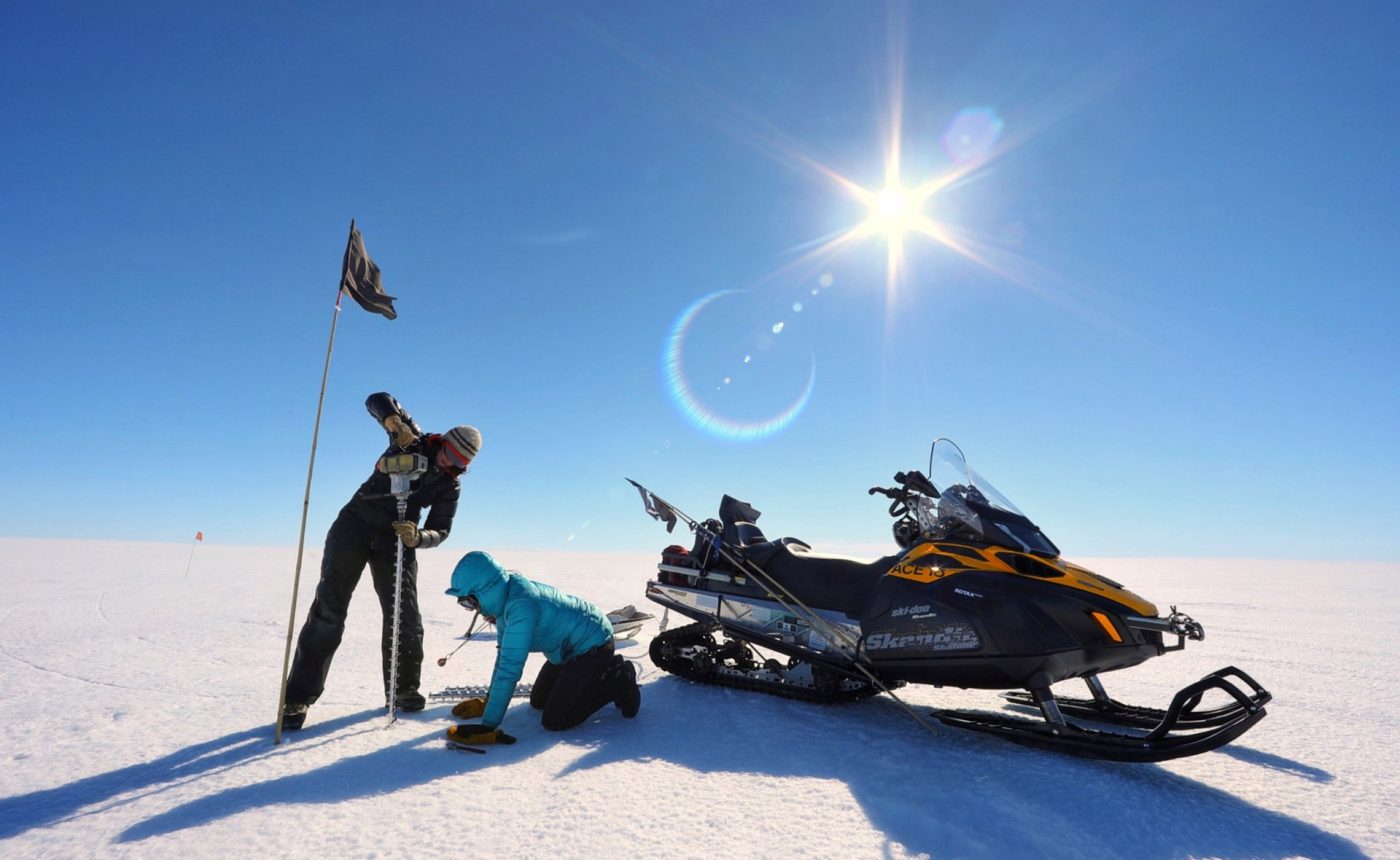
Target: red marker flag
[{"x": 198, "y": 537}]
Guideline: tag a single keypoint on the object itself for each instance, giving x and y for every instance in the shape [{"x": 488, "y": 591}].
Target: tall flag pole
[
  {"x": 359, "y": 277},
  {"x": 198, "y": 536}
]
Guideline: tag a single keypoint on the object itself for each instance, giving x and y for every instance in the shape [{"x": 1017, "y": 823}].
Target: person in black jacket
[{"x": 367, "y": 531}]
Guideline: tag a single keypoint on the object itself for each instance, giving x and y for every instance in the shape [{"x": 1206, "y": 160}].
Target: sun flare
[{"x": 895, "y": 212}]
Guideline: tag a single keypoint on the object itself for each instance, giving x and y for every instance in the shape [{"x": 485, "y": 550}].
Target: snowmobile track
[{"x": 708, "y": 664}]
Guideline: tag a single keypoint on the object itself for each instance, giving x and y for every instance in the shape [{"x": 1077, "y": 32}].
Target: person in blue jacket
[{"x": 582, "y": 673}]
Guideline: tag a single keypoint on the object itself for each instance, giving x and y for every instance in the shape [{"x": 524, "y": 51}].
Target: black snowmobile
[{"x": 976, "y": 597}]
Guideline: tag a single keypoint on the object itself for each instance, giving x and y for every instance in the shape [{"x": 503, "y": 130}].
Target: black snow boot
[
  {"x": 293, "y": 717},
  {"x": 410, "y": 702},
  {"x": 627, "y": 695}
]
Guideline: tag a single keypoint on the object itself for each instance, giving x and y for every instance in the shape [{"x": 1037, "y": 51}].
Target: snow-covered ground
[{"x": 138, "y": 710}]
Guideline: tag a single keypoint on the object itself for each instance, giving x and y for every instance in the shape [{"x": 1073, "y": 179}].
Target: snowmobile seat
[
  {"x": 743, "y": 534},
  {"x": 738, "y": 521},
  {"x": 818, "y": 580}
]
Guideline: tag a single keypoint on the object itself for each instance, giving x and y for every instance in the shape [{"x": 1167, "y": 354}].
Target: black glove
[{"x": 477, "y": 734}]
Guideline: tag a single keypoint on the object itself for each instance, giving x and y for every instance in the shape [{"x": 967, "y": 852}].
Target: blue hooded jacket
[{"x": 530, "y": 616}]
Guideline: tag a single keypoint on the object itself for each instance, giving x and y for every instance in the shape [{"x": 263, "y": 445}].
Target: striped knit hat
[{"x": 465, "y": 440}]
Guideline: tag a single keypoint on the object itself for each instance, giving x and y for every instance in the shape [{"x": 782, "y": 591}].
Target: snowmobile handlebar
[
  {"x": 909, "y": 483},
  {"x": 899, "y": 504},
  {"x": 916, "y": 481}
]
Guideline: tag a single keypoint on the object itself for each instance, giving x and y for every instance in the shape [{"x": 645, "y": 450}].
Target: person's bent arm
[{"x": 510, "y": 661}]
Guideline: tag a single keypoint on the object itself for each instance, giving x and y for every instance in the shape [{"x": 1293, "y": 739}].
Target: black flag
[
  {"x": 359, "y": 277},
  {"x": 656, "y": 507}
]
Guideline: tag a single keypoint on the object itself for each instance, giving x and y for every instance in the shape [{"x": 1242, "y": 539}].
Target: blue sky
[{"x": 1163, "y": 321}]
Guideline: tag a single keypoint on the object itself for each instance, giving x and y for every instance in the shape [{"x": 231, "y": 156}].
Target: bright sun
[
  {"x": 898, "y": 213},
  {"x": 894, "y": 212}
]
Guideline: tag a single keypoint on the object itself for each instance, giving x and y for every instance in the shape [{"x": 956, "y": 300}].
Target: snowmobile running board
[{"x": 1157, "y": 745}]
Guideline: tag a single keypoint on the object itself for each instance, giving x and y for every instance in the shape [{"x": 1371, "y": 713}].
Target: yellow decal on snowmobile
[
  {"x": 926, "y": 563},
  {"x": 950, "y": 559},
  {"x": 925, "y": 571},
  {"x": 1086, "y": 580}
]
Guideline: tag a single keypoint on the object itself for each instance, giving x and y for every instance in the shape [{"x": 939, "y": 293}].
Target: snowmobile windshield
[
  {"x": 950, "y": 473},
  {"x": 968, "y": 504}
]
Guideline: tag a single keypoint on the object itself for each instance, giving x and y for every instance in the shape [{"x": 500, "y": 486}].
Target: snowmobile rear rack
[{"x": 1205, "y": 730}]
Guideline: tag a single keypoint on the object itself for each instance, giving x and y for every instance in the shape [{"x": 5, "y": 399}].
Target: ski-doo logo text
[{"x": 908, "y": 610}]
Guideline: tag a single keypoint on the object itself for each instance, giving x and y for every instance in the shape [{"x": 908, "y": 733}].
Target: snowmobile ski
[
  {"x": 1102, "y": 708},
  {"x": 1162, "y": 743}
]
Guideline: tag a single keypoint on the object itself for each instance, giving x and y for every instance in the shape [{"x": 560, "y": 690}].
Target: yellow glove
[
  {"x": 469, "y": 709},
  {"x": 402, "y": 433},
  {"x": 407, "y": 532},
  {"x": 477, "y": 734}
]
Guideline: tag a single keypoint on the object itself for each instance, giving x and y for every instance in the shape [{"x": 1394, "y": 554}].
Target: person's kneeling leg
[
  {"x": 579, "y": 690},
  {"x": 544, "y": 685}
]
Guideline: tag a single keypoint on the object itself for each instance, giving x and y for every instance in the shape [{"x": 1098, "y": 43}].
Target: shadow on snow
[
  {"x": 962, "y": 794},
  {"x": 1276, "y": 762},
  {"x": 25, "y": 812},
  {"x": 413, "y": 761},
  {"x": 955, "y": 794}
]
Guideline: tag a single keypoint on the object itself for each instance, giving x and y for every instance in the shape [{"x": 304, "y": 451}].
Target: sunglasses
[
  {"x": 454, "y": 457},
  {"x": 469, "y": 602}
]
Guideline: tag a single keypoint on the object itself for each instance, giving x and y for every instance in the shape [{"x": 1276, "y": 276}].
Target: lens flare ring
[{"x": 696, "y": 412}]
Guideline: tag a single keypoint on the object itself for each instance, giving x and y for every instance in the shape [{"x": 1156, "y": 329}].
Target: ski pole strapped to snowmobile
[{"x": 976, "y": 596}]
